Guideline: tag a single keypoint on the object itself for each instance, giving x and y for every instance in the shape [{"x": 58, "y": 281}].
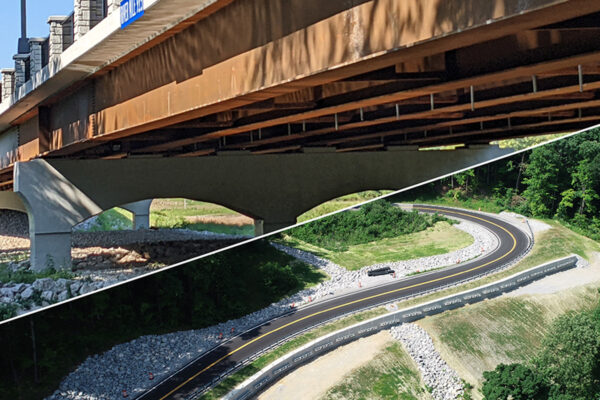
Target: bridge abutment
[{"x": 272, "y": 189}]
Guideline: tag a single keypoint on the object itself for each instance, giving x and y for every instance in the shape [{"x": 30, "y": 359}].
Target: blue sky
[{"x": 38, "y": 12}]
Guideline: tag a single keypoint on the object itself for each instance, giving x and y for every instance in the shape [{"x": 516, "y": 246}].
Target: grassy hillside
[
  {"x": 438, "y": 239},
  {"x": 391, "y": 375},
  {"x": 476, "y": 338},
  {"x": 341, "y": 202}
]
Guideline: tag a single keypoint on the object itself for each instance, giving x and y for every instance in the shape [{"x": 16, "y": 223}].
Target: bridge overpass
[{"x": 272, "y": 106}]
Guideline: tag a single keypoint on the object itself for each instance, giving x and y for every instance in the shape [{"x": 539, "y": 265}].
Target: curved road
[{"x": 513, "y": 243}]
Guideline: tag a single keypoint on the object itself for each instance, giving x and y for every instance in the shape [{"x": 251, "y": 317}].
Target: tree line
[{"x": 559, "y": 180}]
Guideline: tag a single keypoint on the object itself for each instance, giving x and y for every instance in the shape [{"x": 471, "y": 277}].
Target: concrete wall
[{"x": 316, "y": 348}]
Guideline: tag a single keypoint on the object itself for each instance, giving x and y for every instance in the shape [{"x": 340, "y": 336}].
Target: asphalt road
[{"x": 513, "y": 243}]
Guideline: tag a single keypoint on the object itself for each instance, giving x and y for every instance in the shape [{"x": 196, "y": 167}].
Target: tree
[
  {"x": 570, "y": 357},
  {"x": 542, "y": 180},
  {"x": 514, "y": 381}
]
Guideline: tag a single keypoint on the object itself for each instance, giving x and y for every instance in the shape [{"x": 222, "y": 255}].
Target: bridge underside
[
  {"x": 263, "y": 82},
  {"x": 273, "y": 189},
  {"x": 380, "y": 73}
]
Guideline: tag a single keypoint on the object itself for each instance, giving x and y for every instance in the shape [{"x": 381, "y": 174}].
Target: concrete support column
[
  {"x": 141, "y": 213},
  {"x": 54, "y": 205},
  {"x": 35, "y": 55},
  {"x": 50, "y": 250},
  {"x": 262, "y": 226},
  {"x": 8, "y": 83},
  {"x": 86, "y": 14},
  {"x": 20, "y": 69}
]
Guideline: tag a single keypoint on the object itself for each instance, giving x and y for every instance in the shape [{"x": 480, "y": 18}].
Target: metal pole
[
  {"x": 23, "y": 46},
  {"x": 23, "y": 18}
]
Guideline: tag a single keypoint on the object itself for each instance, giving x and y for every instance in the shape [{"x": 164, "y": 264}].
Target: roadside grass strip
[
  {"x": 305, "y": 344},
  {"x": 392, "y": 374}
]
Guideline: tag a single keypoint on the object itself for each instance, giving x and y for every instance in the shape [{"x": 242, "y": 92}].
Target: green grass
[
  {"x": 174, "y": 213},
  {"x": 114, "y": 218},
  {"x": 229, "y": 383},
  {"x": 340, "y": 203},
  {"x": 391, "y": 375},
  {"x": 371, "y": 222},
  {"x": 439, "y": 239},
  {"x": 476, "y": 338},
  {"x": 182, "y": 207},
  {"x": 247, "y": 230}
]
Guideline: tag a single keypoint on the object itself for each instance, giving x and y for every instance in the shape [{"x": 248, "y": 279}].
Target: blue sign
[{"x": 130, "y": 11}]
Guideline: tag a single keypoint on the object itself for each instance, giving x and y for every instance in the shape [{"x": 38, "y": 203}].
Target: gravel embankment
[
  {"x": 127, "y": 366},
  {"x": 100, "y": 259},
  {"x": 436, "y": 374}
]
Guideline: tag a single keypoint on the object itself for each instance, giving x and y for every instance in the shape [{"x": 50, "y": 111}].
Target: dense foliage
[
  {"x": 559, "y": 180},
  {"x": 515, "y": 381},
  {"x": 373, "y": 221},
  {"x": 567, "y": 367},
  {"x": 214, "y": 289}
]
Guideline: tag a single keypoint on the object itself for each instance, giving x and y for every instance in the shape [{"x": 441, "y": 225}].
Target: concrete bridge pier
[
  {"x": 272, "y": 189},
  {"x": 261, "y": 226},
  {"x": 54, "y": 205},
  {"x": 141, "y": 213}
]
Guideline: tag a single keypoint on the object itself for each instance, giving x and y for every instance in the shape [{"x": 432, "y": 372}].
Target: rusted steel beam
[
  {"x": 552, "y": 93},
  {"x": 359, "y": 148},
  {"x": 203, "y": 152},
  {"x": 588, "y": 119},
  {"x": 180, "y": 101},
  {"x": 522, "y": 113},
  {"x": 525, "y": 71}
]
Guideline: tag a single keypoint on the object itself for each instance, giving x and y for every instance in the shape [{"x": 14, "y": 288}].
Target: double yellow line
[{"x": 359, "y": 300}]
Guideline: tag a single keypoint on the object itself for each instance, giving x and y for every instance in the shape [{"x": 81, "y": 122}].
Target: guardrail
[
  {"x": 300, "y": 356},
  {"x": 197, "y": 393}
]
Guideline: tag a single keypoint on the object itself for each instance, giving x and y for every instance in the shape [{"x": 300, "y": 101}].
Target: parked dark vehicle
[{"x": 380, "y": 271}]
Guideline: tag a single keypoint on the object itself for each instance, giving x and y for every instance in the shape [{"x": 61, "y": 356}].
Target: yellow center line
[{"x": 359, "y": 300}]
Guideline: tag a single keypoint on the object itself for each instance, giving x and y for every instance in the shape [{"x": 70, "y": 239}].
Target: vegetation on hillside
[
  {"x": 39, "y": 350},
  {"x": 373, "y": 221},
  {"x": 441, "y": 238},
  {"x": 566, "y": 368},
  {"x": 560, "y": 180},
  {"x": 341, "y": 202}
]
